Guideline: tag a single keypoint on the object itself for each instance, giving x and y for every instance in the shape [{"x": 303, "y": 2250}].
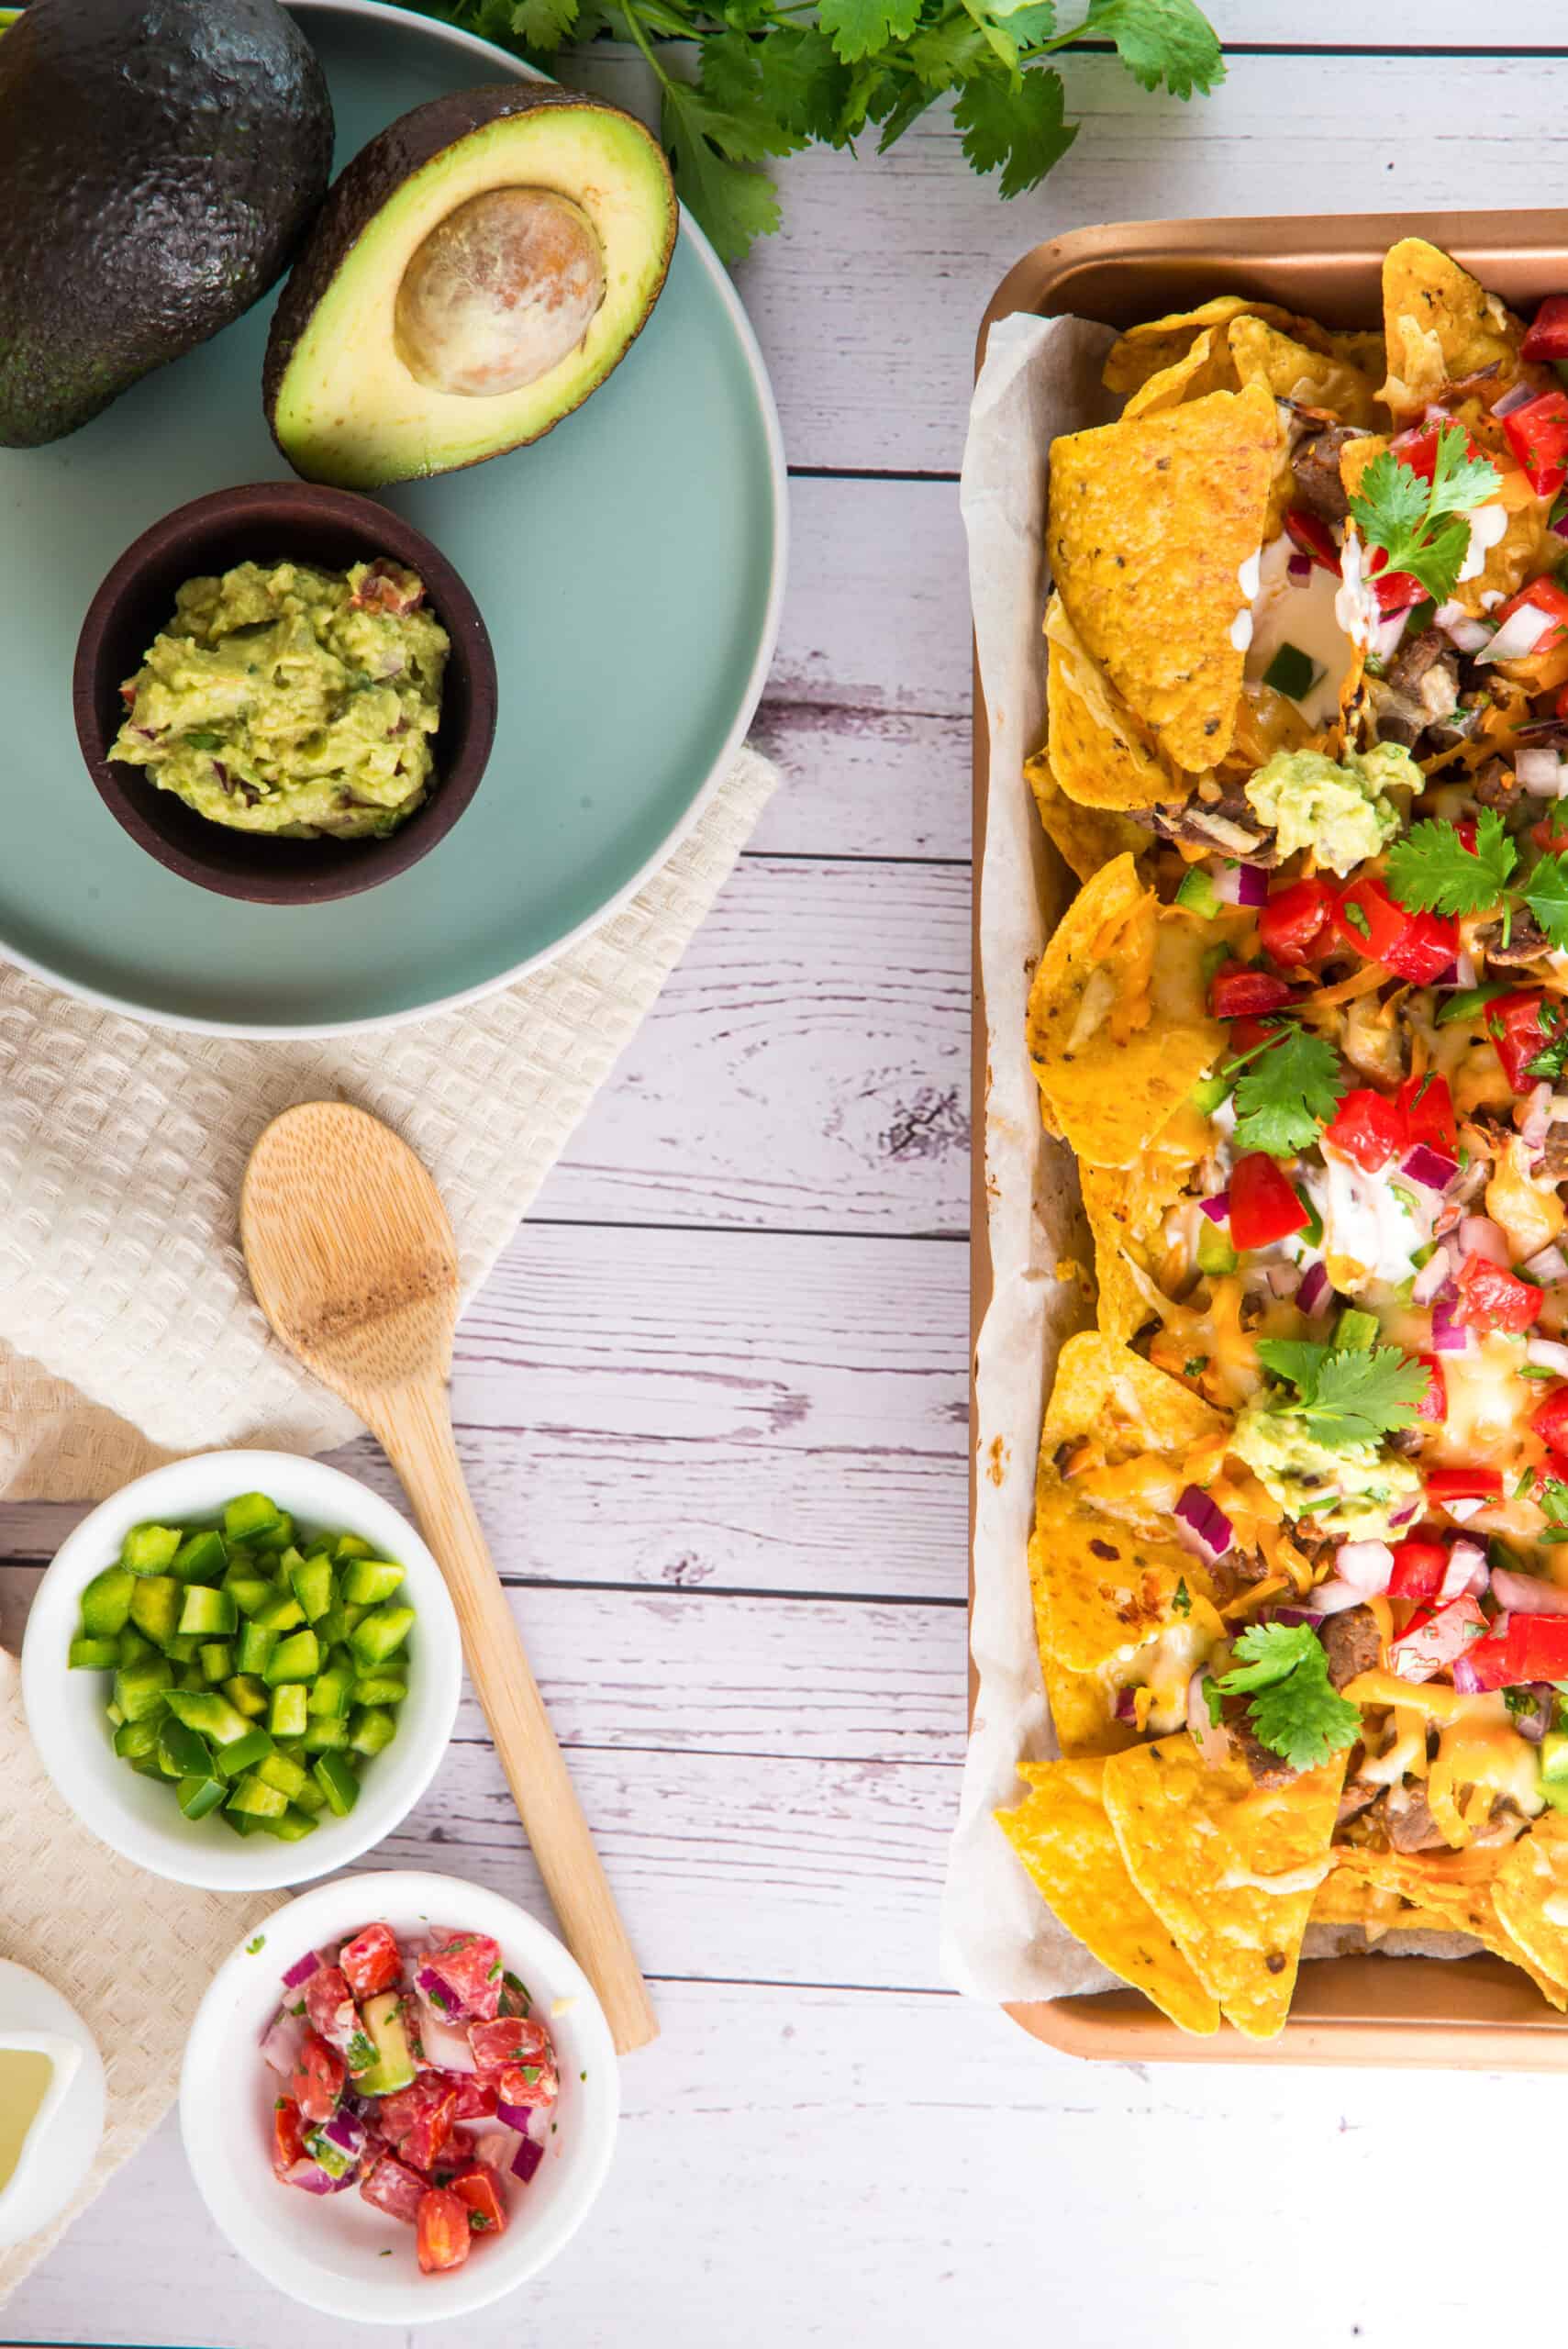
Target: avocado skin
[
  {"x": 159, "y": 161},
  {"x": 373, "y": 178}
]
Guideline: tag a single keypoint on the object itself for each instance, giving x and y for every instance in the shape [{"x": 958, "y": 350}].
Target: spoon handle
[{"x": 414, "y": 1425}]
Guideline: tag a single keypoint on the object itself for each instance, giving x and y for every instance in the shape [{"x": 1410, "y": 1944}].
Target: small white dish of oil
[{"x": 51, "y": 2103}]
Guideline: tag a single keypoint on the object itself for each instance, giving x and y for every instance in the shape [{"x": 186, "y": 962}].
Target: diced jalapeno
[
  {"x": 106, "y": 1603},
  {"x": 151, "y": 1549},
  {"x": 338, "y": 1783}
]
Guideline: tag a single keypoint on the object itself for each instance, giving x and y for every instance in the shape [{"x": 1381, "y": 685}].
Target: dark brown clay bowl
[{"x": 274, "y": 521}]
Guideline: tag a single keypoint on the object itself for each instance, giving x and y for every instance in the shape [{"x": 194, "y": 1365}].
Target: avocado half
[
  {"x": 158, "y": 161},
  {"x": 476, "y": 271}
]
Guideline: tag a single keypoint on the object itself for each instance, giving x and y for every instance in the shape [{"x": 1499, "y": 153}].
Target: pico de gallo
[{"x": 413, "y": 2070}]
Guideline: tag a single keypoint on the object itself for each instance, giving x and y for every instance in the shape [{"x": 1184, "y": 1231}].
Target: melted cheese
[{"x": 1303, "y": 1879}]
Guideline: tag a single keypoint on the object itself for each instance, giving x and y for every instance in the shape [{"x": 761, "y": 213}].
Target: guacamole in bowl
[{"x": 286, "y": 700}]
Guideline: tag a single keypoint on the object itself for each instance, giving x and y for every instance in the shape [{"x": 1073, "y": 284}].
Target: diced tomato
[
  {"x": 1417, "y": 447},
  {"x": 1427, "y": 1106},
  {"x": 444, "y": 2230},
  {"x": 1246, "y": 1035},
  {"x": 511, "y": 2038},
  {"x": 371, "y": 1961},
  {"x": 476, "y": 2188},
  {"x": 1263, "y": 1206},
  {"x": 1544, "y": 595},
  {"x": 470, "y": 1965},
  {"x": 1534, "y": 1647},
  {"x": 332, "y": 2012},
  {"x": 1420, "y": 1566},
  {"x": 1537, "y": 435},
  {"x": 391, "y": 2186},
  {"x": 1550, "y": 1420},
  {"x": 1431, "y": 1639},
  {"x": 1417, "y": 946},
  {"x": 1546, "y": 337},
  {"x": 1518, "y": 1025},
  {"x": 288, "y": 2144},
  {"x": 1367, "y": 1127},
  {"x": 1297, "y": 919},
  {"x": 1397, "y": 591},
  {"x": 1445, "y": 1484},
  {"x": 475, "y": 2097},
  {"x": 419, "y": 2119},
  {"x": 1549, "y": 834},
  {"x": 1312, "y": 537},
  {"x": 1238, "y": 990},
  {"x": 530, "y": 2084},
  {"x": 455, "y": 2155},
  {"x": 1490, "y": 1298},
  {"x": 315, "y": 2083},
  {"x": 1433, "y": 1404}
]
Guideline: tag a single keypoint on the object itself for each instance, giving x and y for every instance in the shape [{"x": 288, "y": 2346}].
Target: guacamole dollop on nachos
[{"x": 1300, "y": 1557}]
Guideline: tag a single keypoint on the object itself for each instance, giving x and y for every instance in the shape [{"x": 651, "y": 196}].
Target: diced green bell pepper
[
  {"x": 291, "y": 1827},
  {"x": 277, "y": 1770},
  {"x": 367, "y": 1581},
  {"x": 216, "y": 1661},
  {"x": 1214, "y": 1253},
  {"x": 280, "y": 1538},
  {"x": 330, "y": 1695},
  {"x": 288, "y": 1713},
  {"x": 86, "y": 1654},
  {"x": 210, "y": 1714},
  {"x": 184, "y": 1648},
  {"x": 1553, "y": 1751},
  {"x": 353, "y": 1545},
  {"x": 255, "y": 1800},
  {"x": 211, "y": 1614},
  {"x": 247, "y": 1693},
  {"x": 135, "y": 1741},
  {"x": 256, "y": 1645},
  {"x": 247, "y": 1590},
  {"x": 379, "y": 1635},
  {"x": 251, "y": 1515},
  {"x": 381, "y": 1689},
  {"x": 191, "y": 1676},
  {"x": 199, "y": 1796},
  {"x": 282, "y": 1612},
  {"x": 311, "y": 1582},
  {"x": 155, "y": 1607},
  {"x": 244, "y": 1752},
  {"x": 240, "y": 1822},
  {"x": 202, "y": 1558},
  {"x": 310, "y": 1797},
  {"x": 182, "y": 1751},
  {"x": 338, "y": 1783},
  {"x": 371, "y": 1730},
  {"x": 106, "y": 1603},
  {"x": 323, "y": 1735},
  {"x": 141, "y": 1689},
  {"x": 296, "y": 1658},
  {"x": 151, "y": 1549}
]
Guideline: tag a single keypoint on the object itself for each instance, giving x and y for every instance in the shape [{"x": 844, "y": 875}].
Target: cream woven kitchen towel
[
  {"x": 132, "y": 1954},
  {"x": 127, "y": 1331}
]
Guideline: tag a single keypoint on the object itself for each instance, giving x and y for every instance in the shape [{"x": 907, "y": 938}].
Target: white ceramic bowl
[
  {"x": 136, "y": 1816},
  {"x": 327, "y": 2249}
]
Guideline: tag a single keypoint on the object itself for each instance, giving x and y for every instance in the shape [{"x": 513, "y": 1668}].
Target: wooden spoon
[{"x": 353, "y": 1263}]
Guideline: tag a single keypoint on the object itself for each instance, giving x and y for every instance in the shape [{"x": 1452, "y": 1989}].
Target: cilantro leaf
[
  {"x": 860, "y": 28},
  {"x": 1295, "y": 1711},
  {"x": 1349, "y": 1396},
  {"x": 713, "y": 153},
  {"x": 1545, "y": 892},
  {"x": 1021, "y": 131},
  {"x": 1431, "y": 870},
  {"x": 1163, "y": 43},
  {"x": 1422, "y": 526},
  {"x": 1288, "y": 1094},
  {"x": 543, "y": 24}
]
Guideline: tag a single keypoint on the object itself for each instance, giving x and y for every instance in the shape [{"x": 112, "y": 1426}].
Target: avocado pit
[{"x": 499, "y": 292}]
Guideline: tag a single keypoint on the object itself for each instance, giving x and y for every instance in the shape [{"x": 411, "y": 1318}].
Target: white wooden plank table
[{"x": 714, "y": 1406}]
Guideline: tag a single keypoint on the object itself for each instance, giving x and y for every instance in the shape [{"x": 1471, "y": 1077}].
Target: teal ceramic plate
[{"x": 629, "y": 567}]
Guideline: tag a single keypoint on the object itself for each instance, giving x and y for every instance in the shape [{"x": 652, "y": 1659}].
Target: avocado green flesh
[{"x": 349, "y": 410}]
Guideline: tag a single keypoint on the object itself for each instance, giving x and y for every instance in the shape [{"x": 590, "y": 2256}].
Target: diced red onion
[
  {"x": 1548, "y": 1353},
  {"x": 1252, "y": 884},
  {"x": 1465, "y": 1573},
  {"x": 1466, "y": 1678},
  {"x": 1291, "y": 1616},
  {"x": 1217, "y": 1209},
  {"x": 1431, "y": 1280},
  {"x": 1534, "y": 1725},
  {"x": 1548, "y": 1263},
  {"x": 1386, "y": 641},
  {"x": 1283, "y": 1279},
  {"x": 1479, "y": 1236},
  {"x": 1527, "y": 1594},
  {"x": 1463, "y": 630},
  {"x": 1125, "y": 1710},
  {"x": 445, "y": 2044},
  {"x": 1461, "y": 1511},
  {"x": 301, "y": 1970},
  {"x": 1464, "y": 969},
  {"x": 527, "y": 2159},
  {"x": 1559, "y": 528},
  {"x": 1540, "y": 772},
  {"x": 1365, "y": 1565},
  {"x": 1447, "y": 977},
  {"x": 513, "y": 2116},
  {"x": 1429, "y": 1167},
  {"x": 311, "y": 2177},
  {"x": 1315, "y": 1295},
  {"x": 1449, "y": 1336},
  {"x": 1515, "y": 397},
  {"x": 1299, "y": 570},
  {"x": 1334, "y": 1597},
  {"x": 1533, "y": 1114},
  {"x": 283, "y": 2043},
  {"x": 1520, "y": 634},
  {"x": 1213, "y": 1744},
  {"x": 1202, "y": 1524},
  {"x": 344, "y": 2130},
  {"x": 1403, "y": 1516}
]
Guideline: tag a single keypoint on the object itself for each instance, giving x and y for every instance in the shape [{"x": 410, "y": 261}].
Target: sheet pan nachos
[{"x": 1298, "y": 1574}]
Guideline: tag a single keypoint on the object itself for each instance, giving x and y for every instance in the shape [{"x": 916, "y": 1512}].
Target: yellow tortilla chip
[
  {"x": 1205, "y": 366},
  {"x": 1119, "y": 1030},
  {"x": 1439, "y": 325},
  {"x": 1097, "y": 754},
  {"x": 1531, "y": 1897},
  {"x": 1083, "y": 837},
  {"x": 1154, "y": 344},
  {"x": 1104, "y": 1589},
  {"x": 1062, "y": 1834},
  {"x": 1082, "y": 1710},
  {"x": 1358, "y": 347},
  {"x": 1345, "y": 1898},
  {"x": 1152, "y": 522},
  {"x": 1460, "y": 1890},
  {"x": 1289, "y": 369},
  {"x": 1127, "y": 1208},
  {"x": 1121, "y": 1404},
  {"x": 1231, "y": 1868}
]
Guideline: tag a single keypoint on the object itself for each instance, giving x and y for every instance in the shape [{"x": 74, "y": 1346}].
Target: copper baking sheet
[{"x": 1473, "y": 2013}]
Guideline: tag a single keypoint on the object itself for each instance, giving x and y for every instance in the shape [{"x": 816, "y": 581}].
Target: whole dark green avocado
[{"x": 159, "y": 161}]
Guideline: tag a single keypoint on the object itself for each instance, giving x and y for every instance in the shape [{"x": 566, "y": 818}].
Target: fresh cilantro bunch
[
  {"x": 1423, "y": 525},
  {"x": 1349, "y": 1395},
  {"x": 1431, "y": 870},
  {"x": 1288, "y": 1091},
  {"x": 776, "y": 75},
  {"x": 1295, "y": 1710}
]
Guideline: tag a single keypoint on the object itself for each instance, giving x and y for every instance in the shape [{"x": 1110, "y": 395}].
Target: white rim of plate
[{"x": 381, "y": 12}]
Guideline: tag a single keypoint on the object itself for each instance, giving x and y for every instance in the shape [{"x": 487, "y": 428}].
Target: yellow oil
[{"x": 24, "y": 2075}]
